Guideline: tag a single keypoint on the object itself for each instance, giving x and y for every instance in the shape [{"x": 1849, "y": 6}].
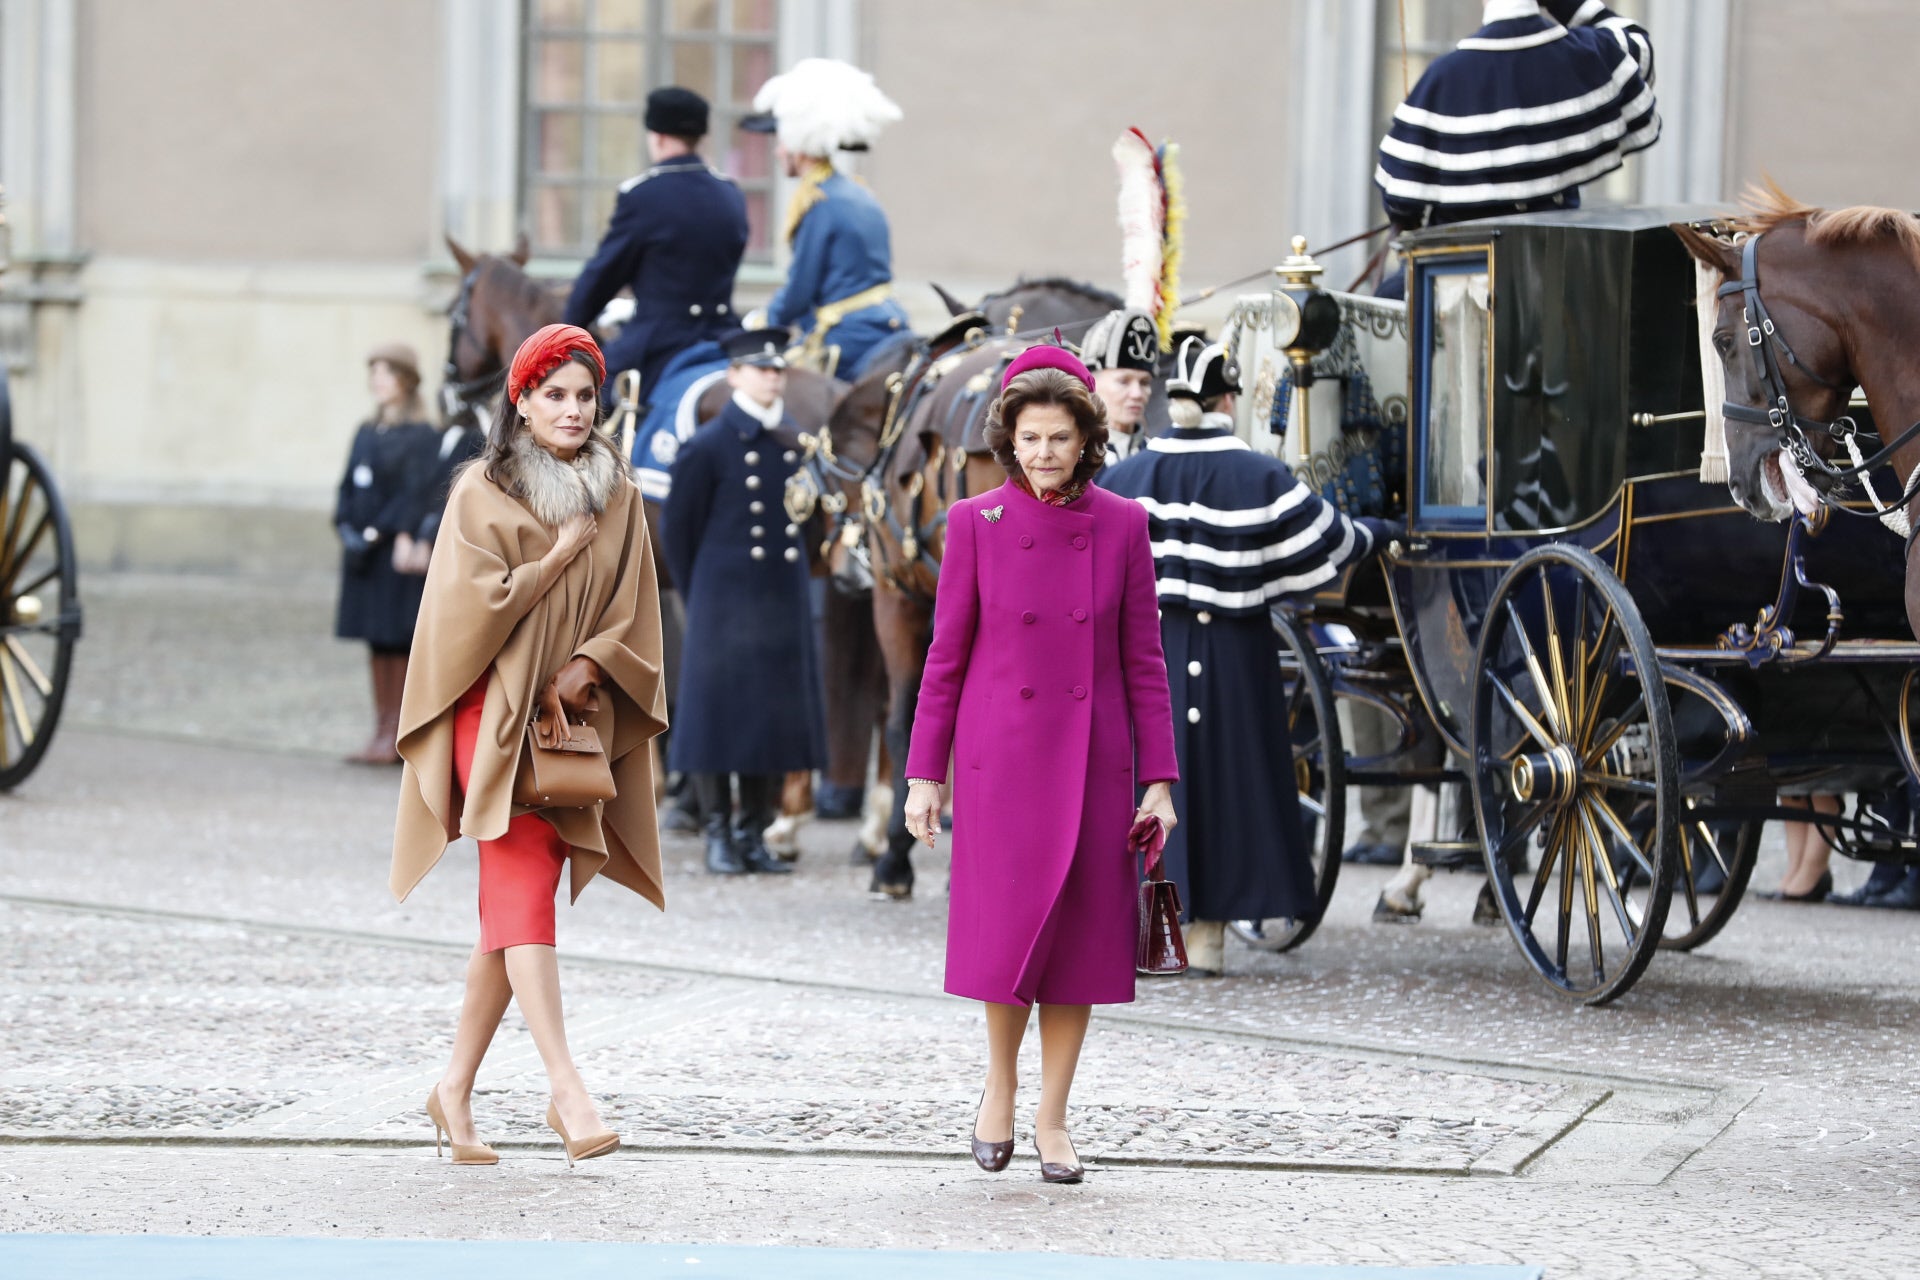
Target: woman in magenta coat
[{"x": 1046, "y": 686}]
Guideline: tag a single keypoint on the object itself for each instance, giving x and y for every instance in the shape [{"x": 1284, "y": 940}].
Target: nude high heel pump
[
  {"x": 594, "y": 1144},
  {"x": 479, "y": 1153}
]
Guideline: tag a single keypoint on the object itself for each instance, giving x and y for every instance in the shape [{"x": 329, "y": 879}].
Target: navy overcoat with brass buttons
[{"x": 750, "y": 692}]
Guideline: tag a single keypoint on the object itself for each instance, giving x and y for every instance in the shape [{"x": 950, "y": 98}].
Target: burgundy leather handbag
[{"x": 1160, "y": 948}]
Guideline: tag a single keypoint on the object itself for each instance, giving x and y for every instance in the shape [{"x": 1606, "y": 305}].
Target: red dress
[{"x": 520, "y": 871}]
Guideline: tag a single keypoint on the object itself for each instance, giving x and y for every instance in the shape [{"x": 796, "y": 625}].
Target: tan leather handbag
[{"x": 562, "y": 773}]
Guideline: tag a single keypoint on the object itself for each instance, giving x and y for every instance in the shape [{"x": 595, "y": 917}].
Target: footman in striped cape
[
  {"x": 1233, "y": 533},
  {"x": 1545, "y": 96}
]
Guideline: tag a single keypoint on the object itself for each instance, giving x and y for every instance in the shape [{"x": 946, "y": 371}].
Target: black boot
[
  {"x": 758, "y": 796},
  {"x": 716, "y": 807}
]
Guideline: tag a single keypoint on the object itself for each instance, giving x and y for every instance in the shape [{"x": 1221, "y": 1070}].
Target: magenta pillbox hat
[{"x": 1046, "y": 355}]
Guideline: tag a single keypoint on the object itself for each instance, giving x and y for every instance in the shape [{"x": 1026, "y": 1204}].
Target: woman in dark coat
[
  {"x": 1046, "y": 685},
  {"x": 382, "y": 565},
  {"x": 1234, "y": 532}
]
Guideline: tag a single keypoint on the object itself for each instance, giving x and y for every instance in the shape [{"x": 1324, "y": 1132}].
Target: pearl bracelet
[{"x": 922, "y": 782}]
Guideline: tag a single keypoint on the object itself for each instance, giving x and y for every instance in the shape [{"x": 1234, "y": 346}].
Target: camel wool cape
[{"x": 488, "y": 604}]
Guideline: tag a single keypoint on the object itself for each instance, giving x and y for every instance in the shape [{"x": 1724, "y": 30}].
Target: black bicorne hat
[
  {"x": 679, "y": 112},
  {"x": 762, "y": 348},
  {"x": 1125, "y": 339},
  {"x": 1202, "y": 370}
]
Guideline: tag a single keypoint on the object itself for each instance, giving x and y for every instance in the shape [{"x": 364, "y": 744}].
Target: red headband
[
  {"x": 1046, "y": 355},
  {"x": 547, "y": 350}
]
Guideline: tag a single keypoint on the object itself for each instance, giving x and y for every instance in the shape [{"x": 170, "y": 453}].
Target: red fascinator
[
  {"x": 547, "y": 350},
  {"x": 1047, "y": 355}
]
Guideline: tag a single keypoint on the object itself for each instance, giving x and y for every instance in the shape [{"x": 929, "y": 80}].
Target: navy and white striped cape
[
  {"x": 1233, "y": 530},
  {"x": 1520, "y": 114}
]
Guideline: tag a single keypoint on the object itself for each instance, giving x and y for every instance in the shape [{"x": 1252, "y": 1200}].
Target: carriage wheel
[
  {"x": 1716, "y": 862},
  {"x": 1320, "y": 774},
  {"x": 1572, "y": 742},
  {"x": 39, "y": 613}
]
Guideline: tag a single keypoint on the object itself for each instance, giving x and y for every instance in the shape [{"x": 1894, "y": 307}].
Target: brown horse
[
  {"x": 1842, "y": 291},
  {"x": 932, "y": 454}
]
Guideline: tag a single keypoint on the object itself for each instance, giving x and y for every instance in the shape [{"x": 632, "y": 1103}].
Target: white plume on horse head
[{"x": 823, "y": 105}]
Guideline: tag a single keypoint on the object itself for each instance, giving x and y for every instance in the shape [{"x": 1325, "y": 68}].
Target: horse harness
[
  {"x": 1767, "y": 347},
  {"x": 457, "y": 395}
]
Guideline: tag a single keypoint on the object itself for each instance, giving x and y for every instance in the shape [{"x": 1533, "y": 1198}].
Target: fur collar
[{"x": 555, "y": 490}]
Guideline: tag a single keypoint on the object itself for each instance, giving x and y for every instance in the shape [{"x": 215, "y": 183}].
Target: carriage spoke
[
  {"x": 1606, "y": 652},
  {"x": 1544, "y": 877},
  {"x": 1713, "y": 847},
  {"x": 10, "y": 690},
  {"x": 27, "y": 589},
  {"x": 1517, "y": 834},
  {"x": 1571, "y": 838},
  {"x": 16, "y": 517},
  {"x": 32, "y": 668},
  {"x": 1533, "y": 726},
  {"x": 1624, "y": 721},
  {"x": 1686, "y": 871},
  {"x": 1628, "y": 929},
  {"x": 1555, "y": 657},
  {"x": 1590, "y": 903},
  {"x": 1621, "y": 833},
  {"x": 10, "y": 567},
  {"x": 1532, "y": 661}
]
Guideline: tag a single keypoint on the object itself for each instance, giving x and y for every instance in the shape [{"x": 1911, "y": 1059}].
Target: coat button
[
  {"x": 789, "y": 457},
  {"x": 753, "y": 458},
  {"x": 1026, "y": 540},
  {"x": 1193, "y": 715},
  {"x": 1079, "y": 691},
  {"x": 1079, "y": 542},
  {"x": 758, "y": 553},
  {"x": 756, "y": 506},
  {"x": 793, "y": 531},
  {"x": 753, "y": 482},
  {"x": 1193, "y": 668},
  {"x": 694, "y": 310},
  {"x": 1203, "y": 617},
  {"x": 792, "y": 554},
  {"x": 758, "y": 531},
  {"x": 1025, "y": 692},
  {"x": 1079, "y": 615},
  {"x": 1028, "y": 617}
]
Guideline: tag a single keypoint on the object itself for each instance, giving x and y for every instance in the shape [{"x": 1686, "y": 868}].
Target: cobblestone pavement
[{"x": 213, "y": 1019}]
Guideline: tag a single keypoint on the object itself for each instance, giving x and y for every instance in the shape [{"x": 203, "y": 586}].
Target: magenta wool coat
[{"x": 1046, "y": 685}]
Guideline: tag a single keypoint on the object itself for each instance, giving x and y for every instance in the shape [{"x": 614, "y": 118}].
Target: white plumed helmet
[{"x": 821, "y": 106}]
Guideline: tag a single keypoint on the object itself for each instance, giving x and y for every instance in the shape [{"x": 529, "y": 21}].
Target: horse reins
[{"x": 1767, "y": 346}]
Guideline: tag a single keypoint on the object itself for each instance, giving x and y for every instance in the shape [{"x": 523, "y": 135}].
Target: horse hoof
[
  {"x": 1387, "y": 911},
  {"x": 1486, "y": 912},
  {"x": 861, "y": 855},
  {"x": 886, "y": 891}
]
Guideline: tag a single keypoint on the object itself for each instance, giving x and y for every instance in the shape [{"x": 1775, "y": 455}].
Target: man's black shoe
[
  {"x": 723, "y": 858},
  {"x": 754, "y": 855}
]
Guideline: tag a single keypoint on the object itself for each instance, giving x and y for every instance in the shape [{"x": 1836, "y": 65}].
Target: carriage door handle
[{"x": 1530, "y": 382}]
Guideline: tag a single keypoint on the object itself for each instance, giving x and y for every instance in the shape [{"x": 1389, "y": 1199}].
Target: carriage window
[
  {"x": 1454, "y": 354},
  {"x": 589, "y": 67}
]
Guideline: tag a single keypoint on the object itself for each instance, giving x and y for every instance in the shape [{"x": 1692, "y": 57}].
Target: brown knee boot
[{"x": 386, "y": 710}]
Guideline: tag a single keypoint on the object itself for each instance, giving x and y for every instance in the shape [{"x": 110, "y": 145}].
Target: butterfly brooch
[{"x": 993, "y": 513}]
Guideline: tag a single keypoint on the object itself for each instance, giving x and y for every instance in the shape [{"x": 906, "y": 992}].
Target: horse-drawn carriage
[
  {"x": 1622, "y": 666},
  {"x": 39, "y": 597}
]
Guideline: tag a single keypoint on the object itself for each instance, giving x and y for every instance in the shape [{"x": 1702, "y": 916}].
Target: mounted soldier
[
  {"x": 1547, "y": 95},
  {"x": 676, "y": 238},
  {"x": 839, "y": 287}
]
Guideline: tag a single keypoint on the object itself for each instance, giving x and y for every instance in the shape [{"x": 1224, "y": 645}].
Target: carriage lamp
[{"x": 1305, "y": 321}]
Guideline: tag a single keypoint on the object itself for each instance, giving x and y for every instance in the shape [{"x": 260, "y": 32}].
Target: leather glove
[{"x": 574, "y": 685}]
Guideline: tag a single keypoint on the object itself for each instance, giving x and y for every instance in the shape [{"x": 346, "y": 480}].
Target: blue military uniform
[
  {"x": 842, "y": 248},
  {"x": 750, "y": 691},
  {"x": 676, "y": 238}
]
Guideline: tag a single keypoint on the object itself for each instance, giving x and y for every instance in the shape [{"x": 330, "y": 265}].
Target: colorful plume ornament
[{"x": 1152, "y": 213}]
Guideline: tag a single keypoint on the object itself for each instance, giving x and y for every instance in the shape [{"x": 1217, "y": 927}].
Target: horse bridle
[
  {"x": 1768, "y": 346},
  {"x": 457, "y": 395}
]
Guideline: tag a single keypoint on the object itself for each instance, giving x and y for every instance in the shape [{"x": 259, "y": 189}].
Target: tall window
[
  {"x": 1432, "y": 28},
  {"x": 590, "y": 65}
]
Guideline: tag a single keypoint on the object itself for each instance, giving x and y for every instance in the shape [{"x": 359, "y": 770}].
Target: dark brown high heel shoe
[
  {"x": 1059, "y": 1172},
  {"x": 991, "y": 1156}
]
